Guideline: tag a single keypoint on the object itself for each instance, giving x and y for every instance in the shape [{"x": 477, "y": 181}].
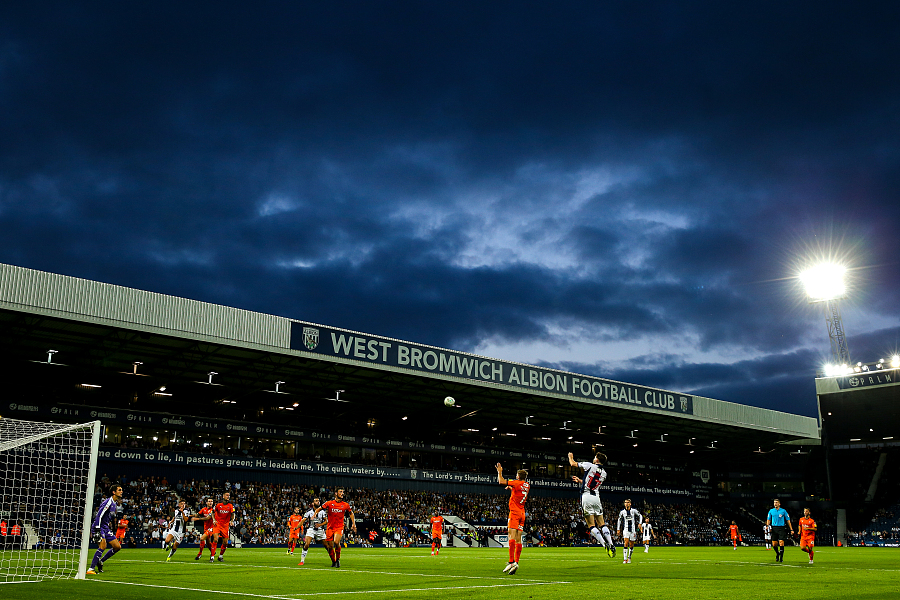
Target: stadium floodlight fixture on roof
[{"x": 825, "y": 283}]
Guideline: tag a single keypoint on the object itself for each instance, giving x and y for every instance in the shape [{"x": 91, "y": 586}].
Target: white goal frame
[{"x": 10, "y": 429}]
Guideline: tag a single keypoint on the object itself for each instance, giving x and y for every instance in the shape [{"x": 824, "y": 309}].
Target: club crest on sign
[
  {"x": 413, "y": 473},
  {"x": 310, "y": 337},
  {"x": 684, "y": 405},
  {"x": 704, "y": 475}
]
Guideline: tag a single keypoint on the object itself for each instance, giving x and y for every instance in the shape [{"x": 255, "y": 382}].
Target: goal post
[{"x": 47, "y": 478}]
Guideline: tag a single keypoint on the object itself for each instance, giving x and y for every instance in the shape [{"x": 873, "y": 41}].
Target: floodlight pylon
[{"x": 840, "y": 352}]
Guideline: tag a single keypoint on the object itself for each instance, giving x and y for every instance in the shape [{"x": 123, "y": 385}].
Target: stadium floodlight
[
  {"x": 895, "y": 361},
  {"x": 825, "y": 283},
  {"x": 64, "y": 458}
]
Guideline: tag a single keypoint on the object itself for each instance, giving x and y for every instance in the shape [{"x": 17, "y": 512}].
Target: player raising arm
[
  {"x": 106, "y": 516},
  {"x": 518, "y": 494},
  {"x": 594, "y": 476}
]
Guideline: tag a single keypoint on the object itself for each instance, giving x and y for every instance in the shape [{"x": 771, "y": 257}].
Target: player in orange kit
[
  {"x": 122, "y": 527},
  {"x": 334, "y": 532},
  {"x": 808, "y": 534},
  {"x": 294, "y": 524},
  {"x": 437, "y": 533},
  {"x": 735, "y": 535},
  {"x": 206, "y": 515},
  {"x": 518, "y": 489},
  {"x": 222, "y": 516}
]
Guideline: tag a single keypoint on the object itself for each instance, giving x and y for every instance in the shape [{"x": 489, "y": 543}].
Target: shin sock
[
  {"x": 108, "y": 555},
  {"x": 607, "y": 536}
]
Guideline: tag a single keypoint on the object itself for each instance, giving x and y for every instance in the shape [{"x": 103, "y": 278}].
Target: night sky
[{"x": 620, "y": 189}]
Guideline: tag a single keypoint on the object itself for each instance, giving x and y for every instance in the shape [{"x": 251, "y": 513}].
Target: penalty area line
[
  {"x": 187, "y": 589},
  {"x": 301, "y": 596},
  {"x": 433, "y": 589}
]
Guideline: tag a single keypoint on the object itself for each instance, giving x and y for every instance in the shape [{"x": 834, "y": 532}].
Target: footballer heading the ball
[{"x": 449, "y": 401}]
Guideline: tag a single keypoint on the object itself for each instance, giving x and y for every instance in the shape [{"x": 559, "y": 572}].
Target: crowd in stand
[{"x": 883, "y": 529}]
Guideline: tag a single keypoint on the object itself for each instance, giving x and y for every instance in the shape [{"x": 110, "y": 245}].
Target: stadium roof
[
  {"x": 861, "y": 409},
  {"x": 101, "y": 331}
]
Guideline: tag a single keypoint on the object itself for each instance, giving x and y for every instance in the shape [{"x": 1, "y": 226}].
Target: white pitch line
[
  {"x": 457, "y": 587},
  {"x": 187, "y": 589},
  {"x": 300, "y": 597},
  {"x": 443, "y": 576}
]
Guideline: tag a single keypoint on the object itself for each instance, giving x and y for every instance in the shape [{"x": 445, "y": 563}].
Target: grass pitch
[{"x": 544, "y": 573}]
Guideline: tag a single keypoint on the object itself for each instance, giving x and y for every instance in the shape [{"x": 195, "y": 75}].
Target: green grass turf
[{"x": 544, "y": 573}]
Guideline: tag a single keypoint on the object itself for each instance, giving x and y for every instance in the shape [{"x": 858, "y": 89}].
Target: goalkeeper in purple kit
[{"x": 105, "y": 525}]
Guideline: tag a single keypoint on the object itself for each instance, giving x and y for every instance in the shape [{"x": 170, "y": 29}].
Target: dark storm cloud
[{"x": 469, "y": 174}]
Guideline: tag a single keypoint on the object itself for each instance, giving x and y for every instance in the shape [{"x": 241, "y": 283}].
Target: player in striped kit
[
  {"x": 646, "y": 532},
  {"x": 102, "y": 525},
  {"x": 594, "y": 476},
  {"x": 767, "y": 535},
  {"x": 315, "y": 528},
  {"x": 629, "y": 523},
  {"x": 175, "y": 531}
]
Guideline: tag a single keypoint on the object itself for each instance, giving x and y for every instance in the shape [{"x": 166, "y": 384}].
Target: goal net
[{"x": 47, "y": 475}]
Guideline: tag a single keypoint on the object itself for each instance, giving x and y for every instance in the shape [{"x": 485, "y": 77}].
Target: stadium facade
[{"x": 206, "y": 389}]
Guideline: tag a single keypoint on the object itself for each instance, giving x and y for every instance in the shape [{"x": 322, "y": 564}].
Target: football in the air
[{"x": 449, "y": 401}]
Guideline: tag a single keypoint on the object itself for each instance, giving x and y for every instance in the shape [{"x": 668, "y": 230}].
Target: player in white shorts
[
  {"x": 591, "y": 505},
  {"x": 315, "y": 522},
  {"x": 767, "y": 535},
  {"x": 646, "y": 532},
  {"x": 629, "y": 524},
  {"x": 175, "y": 531}
]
